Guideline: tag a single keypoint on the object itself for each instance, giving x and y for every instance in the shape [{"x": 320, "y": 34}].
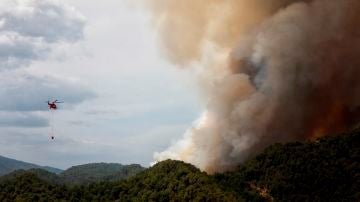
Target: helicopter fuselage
[{"x": 52, "y": 106}]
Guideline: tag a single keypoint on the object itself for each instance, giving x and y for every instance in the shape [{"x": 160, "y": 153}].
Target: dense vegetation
[
  {"x": 166, "y": 181},
  {"x": 83, "y": 174},
  {"x": 323, "y": 170},
  {"x": 39, "y": 173},
  {"x": 29, "y": 187},
  {"x": 94, "y": 172},
  {"x": 171, "y": 180}
]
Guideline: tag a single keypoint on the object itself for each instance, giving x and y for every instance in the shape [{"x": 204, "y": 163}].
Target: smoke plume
[{"x": 273, "y": 71}]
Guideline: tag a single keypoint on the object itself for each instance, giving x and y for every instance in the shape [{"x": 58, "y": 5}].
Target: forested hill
[
  {"x": 170, "y": 181},
  {"x": 166, "y": 181},
  {"x": 324, "y": 170},
  {"x": 8, "y": 165},
  {"x": 95, "y": 172},
  {"x": 41, "y": 174},
  {"x": 82, "y": 174}
]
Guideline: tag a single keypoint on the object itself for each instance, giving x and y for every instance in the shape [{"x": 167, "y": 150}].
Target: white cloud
[
  {"x": 142, "y": 101},
  {"x": 29, "y": 30},
  {"x": 25, "y": 92},
  {"x": 23, "y": 120}
]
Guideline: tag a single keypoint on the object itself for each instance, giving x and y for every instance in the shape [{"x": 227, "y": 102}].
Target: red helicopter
[{"x": 52, "y": 105}]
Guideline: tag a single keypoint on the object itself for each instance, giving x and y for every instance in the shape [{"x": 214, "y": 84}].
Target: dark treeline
[{"x": 324, "y": 170}]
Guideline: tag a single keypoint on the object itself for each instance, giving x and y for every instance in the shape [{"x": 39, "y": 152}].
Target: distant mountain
[
  {"x": 38, "y": 172},
  {"x": 52, "y": 169},
  {"x": 8, "y": 165},
  {"x": 95, "y": 172},
  {"x": 76, "y": 175},
  {"x": 166, "y": 181},
  {"x": 82, "y": 174}
]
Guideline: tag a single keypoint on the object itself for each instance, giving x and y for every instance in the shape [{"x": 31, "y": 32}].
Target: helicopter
[{"x": 52, "y": 105}]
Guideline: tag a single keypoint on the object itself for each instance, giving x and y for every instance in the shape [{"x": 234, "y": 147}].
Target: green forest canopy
[{"x": 324, "y": 170}]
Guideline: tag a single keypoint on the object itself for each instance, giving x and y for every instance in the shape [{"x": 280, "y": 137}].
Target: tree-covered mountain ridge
[
  {"x": 82, "y": 174},
  {"x": 7, "y": 165},
  {"x": 327, "y": 169},
  {"x": 95, "y": 172}
]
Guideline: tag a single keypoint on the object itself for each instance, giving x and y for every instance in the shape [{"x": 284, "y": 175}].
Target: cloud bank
[
  {"x": 29, "y": 31},
  {"x": 21, "y": 92}
]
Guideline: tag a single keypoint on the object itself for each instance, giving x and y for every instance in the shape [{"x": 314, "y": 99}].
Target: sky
[{"x": 123, "y": 100}]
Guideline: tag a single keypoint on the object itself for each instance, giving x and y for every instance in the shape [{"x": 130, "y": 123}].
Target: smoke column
[{"x": 272, "y": 71}]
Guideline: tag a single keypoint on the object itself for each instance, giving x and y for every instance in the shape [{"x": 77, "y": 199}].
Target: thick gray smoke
[{"x": 273, "y": 70}]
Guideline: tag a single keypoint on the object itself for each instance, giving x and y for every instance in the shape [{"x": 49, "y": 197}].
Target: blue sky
[{"x": 123, "y": 99}]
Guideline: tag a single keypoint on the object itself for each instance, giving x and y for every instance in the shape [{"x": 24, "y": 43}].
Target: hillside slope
[
  {"x": 8, "y": 165},
  {"x": 82, "y": 174},
  {"x": 166, "y": 181},
  {"x": 95, "y": 172},
  {"x": 171, "y": 180},
  {"x": 324, "y": 170},
  {"x": 27, "y": 186},
  {"x": 44, "y": 175}
]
